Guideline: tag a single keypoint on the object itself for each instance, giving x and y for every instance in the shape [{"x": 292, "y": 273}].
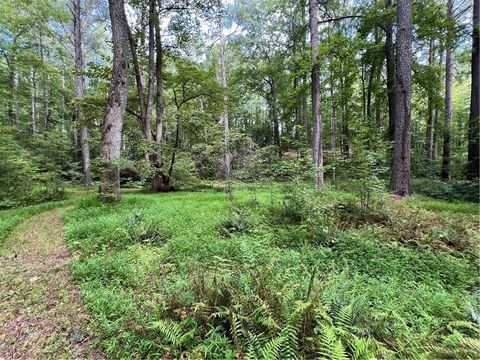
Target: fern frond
[
  {"x": 331, "y": 346},
  {"x": 171, "y": 331},
  {"x": 272, "y": 349}
]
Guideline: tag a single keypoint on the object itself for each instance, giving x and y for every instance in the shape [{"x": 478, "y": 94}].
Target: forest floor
[
  {"x": 41, "y": 312},
  {"x": 205, "y": 275}
]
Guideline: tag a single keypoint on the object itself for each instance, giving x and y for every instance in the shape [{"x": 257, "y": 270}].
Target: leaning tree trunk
[
  {"x": 447, "y": 131},
  {"x": 317, "y": 151},
  {"x": 473, "y": 165},
  {"x": 80, "y": 91},
  {"x": 117, "y": 102},
  {"x": 400, "y": 180}
]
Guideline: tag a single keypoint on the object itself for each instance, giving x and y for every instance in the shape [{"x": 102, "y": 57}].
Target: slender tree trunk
[
  {"x": 333, "y": 131},
  {"x": 317, "y": 151},
  {"x": 145, "y": 103},
  {"x": 276, "y": 124},
  {"x": 224, "y": 117},
  {"x": 80, "y": 91},
  {"x": 447, "y": 131},
  {"x": 345, "y": 130},
  {"x": 390, "y": 66},
  {"x": 436, "y": 118},
  {"x": 117, "y": 102},
  {"x": 473, "y": 164},
  {"x": 431, "y": 111},
  {"x": 159, "y": 180},
  {"x": 151, "y": 70},
  {"x": 400, "y": 180},
  {"x": 33, "y": 89}
]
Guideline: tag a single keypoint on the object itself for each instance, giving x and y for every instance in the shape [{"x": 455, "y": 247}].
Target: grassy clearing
[{"x": 277, "y": 273}]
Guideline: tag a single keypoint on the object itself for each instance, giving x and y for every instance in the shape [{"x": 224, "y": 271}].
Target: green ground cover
[{"x": 278, "y": 272}]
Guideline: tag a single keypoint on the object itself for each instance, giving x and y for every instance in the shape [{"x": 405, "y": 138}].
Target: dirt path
[{"x": 41, "y": 312}]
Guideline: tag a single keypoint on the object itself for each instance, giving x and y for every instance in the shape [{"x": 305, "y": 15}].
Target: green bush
[{"x": 454, "y": 190}]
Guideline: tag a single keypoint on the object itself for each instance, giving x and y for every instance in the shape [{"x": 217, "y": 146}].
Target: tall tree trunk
[
  {"x": 447, "y": 131},
  {"x": 151, "y": 69},
  {"x": 80, "y": 91},
  {"x": 33, "y": 90},
  {"x": 317, "y": 151},
  {"x": 431, "y": 111},
  {"x": 473, "y": 165},
  {"x": 390, "y": 66},
  {"x": 274, "y": 106},
  {"x": 436, "y": 118},
  {"x": 158, "y": 181},
  {"x": 117, "y": 102},
  {"x": 333, "y": 131},
  {"x": 224, "y": 117},
  {"x": 145, "y": 103},
  {"x": 400, "y": 180}
]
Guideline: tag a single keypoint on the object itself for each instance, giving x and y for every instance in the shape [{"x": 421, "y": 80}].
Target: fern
[
  {"x": 272, "y": 349},
  {"x": 172, "y": 332},
  {"x": 331, "y": 346},
  {"x": 467, "y": 348}
]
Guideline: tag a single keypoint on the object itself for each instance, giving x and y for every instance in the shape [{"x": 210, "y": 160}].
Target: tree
[
  {"x": 80, "y": 91},
  {"x": 473, "y": 164},
  {"x": 447, "y": 131},
  {"x": 390, "y": 67},
  {"x": 117, "y": 102},
  {"x": 224, "y": 116},
  {"x": 400, "y": 178},
  {"x": 317, "y": 151}
]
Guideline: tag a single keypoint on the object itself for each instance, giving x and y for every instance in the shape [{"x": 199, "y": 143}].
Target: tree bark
[
  {"x": 473, "y": 164},
  {"x": 117, "y": 101},
  {"x": 400, "y": 179},
  {"x": 431, "y": 111},
  {"x": 33, "y": 90},
  {"x": 317, "y": 151},
  {"x": 447, "y": 131},
  {"x": 80, "y": 91},
  {"x": 224, "y": 116},
  {"x": 159, "y": 180}
]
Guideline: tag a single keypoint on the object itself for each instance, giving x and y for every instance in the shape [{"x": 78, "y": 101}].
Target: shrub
[{"x": 451, "y": 191}]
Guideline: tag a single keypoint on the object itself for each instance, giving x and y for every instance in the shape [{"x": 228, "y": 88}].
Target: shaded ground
[{"x": 41, "y": 312}]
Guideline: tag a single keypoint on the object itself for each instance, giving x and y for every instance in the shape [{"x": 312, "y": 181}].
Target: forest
[{"x": 239, "y": 179}]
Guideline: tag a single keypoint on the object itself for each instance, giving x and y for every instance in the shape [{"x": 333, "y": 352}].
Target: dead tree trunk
[
  {"x": 117, "y": 102},
  {"x": 400, "y": 180},
  {"x": 317, "y": 151},
  {"x": 80, "y": 91}
]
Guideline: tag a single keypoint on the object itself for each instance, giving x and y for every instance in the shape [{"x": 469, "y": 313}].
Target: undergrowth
[{"x": 276, "y": 273}]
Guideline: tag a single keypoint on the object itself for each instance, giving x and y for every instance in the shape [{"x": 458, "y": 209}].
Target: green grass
[
  {"x": 439, "y": 205},
  {"x": 275, "y": 276},
  {"x": 10, "y": 218}
]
